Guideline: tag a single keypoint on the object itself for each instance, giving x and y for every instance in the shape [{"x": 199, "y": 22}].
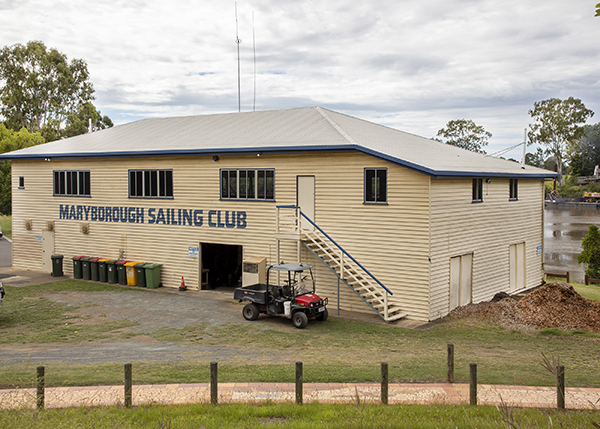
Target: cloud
[{"x": 411, "y": 65}]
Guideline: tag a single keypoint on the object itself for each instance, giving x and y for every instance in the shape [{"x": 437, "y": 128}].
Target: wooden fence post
[
  {"x": 299, "y": 382},
  {"x": 214, "y": 383},
  {"x": 41, "y": 384},
  {"x": 450, "y": 363},
  {"x": 560, "y": 387},
  {"x": 384, "y": 383},
  {"x": 128, "y": 384},
  {"x": 473, "y": 383}
]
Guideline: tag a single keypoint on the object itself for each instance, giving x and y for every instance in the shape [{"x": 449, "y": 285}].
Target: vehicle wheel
[
  {"x": 250, "y": 311},
  {"x": 321, "y": 317},
  {"x": 300, "y": 320}
]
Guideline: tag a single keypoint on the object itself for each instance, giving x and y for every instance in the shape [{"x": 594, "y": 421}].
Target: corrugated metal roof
[{"x": 307, "y": 129}]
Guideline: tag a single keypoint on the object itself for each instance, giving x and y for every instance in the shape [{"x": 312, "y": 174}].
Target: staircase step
[{"x": 397, "y": 316}]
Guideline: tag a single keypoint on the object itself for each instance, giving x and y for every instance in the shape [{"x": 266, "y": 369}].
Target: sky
[{"x": 410, "y": 65}]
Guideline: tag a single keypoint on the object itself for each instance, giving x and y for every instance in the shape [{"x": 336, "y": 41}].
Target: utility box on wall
[{"x": 254, "y": 271}]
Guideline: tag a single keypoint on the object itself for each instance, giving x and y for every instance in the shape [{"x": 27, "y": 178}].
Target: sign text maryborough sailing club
[{"x": 155, "y": 216}]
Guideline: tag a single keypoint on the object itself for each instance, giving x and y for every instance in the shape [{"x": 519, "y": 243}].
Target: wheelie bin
[
  {"x": 102, "y": 270},
  {"x": 57, "y": 265},
  {"x": 121, "y": 273},
  {"x": 86, "y": 268},
  {"x": 94, "y": 269},
  {"x": 77, "y": 269},
  {"x": 140, "y": 274},
  {"x": 153, "y": 275},
  {"x": 111, "y": 271},
  {"x": 131, "y": 274}
]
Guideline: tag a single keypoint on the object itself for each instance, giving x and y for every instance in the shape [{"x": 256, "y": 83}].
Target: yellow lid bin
[{"x": 131, "y": 273}]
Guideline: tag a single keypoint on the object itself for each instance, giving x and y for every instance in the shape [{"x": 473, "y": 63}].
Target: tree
[
  {"x": 41, "y": 91},
  {"x": 78, "y": 123},
  {"x": 585, "y": 153},
  {"x": 12, "y": 140},
  {"x": 597, "y": 10},
  {"x": 590, "y": 256},
  {"x": 466, "y": 134},
  {"x": 557, "y": 126}
]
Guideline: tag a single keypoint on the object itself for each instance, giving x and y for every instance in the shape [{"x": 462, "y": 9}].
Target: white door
[
  {"x": 47, "y": 250},
  {"x": 516, "y": 255},
  {"x": 461, "y": 284},
  {"x": 305, "y": 198}
]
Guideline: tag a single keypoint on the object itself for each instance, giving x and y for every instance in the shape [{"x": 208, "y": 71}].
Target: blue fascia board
[{"x": 443, "y": 174}]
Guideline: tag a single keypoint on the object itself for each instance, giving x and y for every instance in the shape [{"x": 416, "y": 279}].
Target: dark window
[
  {"x": 477, "y": 190},
  {"x": 151, "y": 183},
  {"x": 248, "y": 184},
  {"x": 375, "y": 185},
  {"x": 21, "y": 182},
  {"x": 72, "y": 183},
  {"x": 514, "y": 189}
]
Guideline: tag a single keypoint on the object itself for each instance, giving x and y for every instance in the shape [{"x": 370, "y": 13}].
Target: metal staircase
[{"x": 292, "y": 224}]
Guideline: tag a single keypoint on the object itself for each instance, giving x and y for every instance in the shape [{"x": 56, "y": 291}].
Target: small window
[
  {"x": 514, "y": 189},
  {"x": 255, "y": 184},
  {"x": 71, "y": 183},
  {"x": 21, "y": 182},
  {"x": 151, "y": 183},
  {"x": 376, "y": 185},
  {"x": 477, "y": 190}
]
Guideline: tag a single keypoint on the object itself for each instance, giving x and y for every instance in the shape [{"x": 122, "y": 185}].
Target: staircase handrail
[{"x": 339, "y": 247}]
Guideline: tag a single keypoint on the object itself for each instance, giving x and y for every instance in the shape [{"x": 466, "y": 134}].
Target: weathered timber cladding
[
  {"x": 485, "y": 229},
  {"x": 389, "y": 240}
]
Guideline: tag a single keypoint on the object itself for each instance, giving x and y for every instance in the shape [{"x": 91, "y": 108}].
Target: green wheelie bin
[
  {"x": 102, "y": 270},
  {"x": 153, "y": 275},
  {"x": 140, "y": 272},
  {"x": 121, "y": 272},
  {"x": 95, "y": 276},
  {"x": 86, "y": 268},
  {"x": 111, "y": 271},
  {"x": 57, "y": 265},
  {"x": 77, "y": 269}
]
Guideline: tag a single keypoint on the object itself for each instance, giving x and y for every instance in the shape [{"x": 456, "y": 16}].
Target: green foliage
[
  {"x": 42, "y": 91},
  {"x": 270, "y": 414},
  {"x": 12, "y": 140},
  {"x": 556, "y": 126},
  {"x": 590, "y": 256},
  {"x": 597, "y": 10},
  {"x": 465, "y": 134},
  {"x": 585, "y": 154}
]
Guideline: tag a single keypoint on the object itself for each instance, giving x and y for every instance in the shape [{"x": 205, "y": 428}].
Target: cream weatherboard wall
[
  {"x": 486, "y": 230},
  {"x": 390, "y": 240}
]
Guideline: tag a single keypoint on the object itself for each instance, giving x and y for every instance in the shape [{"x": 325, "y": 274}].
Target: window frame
[
  {"x": 232, "y": 180},
  {"x": 150, "y": 183},
  {"x": 73, "y": 183},
  {"x": 513, "y": 189},
  {"x": 477, "y": 191},
  {"x": 374, "y": 196}
]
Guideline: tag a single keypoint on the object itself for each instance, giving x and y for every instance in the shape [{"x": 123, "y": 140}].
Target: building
[{"x": 394, "y": 223}]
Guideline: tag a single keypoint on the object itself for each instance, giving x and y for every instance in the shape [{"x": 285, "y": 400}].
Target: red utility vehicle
[{"x": 296, "y": 300}]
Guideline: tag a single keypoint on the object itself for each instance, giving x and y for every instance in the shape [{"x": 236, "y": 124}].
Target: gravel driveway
[{"x": 152, "y": 311}]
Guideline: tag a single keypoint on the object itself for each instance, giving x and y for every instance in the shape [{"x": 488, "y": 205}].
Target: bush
[{"x": 591, "y": 252}]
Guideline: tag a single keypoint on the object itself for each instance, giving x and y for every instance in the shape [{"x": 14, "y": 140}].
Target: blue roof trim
[{"x": 443, "y": 174}]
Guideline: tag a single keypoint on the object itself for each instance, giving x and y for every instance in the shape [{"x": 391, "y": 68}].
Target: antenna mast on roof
[
  {"x": 254, "y": 48},
  {"x": 238, "y": 41}
]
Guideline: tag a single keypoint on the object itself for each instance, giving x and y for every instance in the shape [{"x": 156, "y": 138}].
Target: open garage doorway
[{"x": 221, "y": 265}]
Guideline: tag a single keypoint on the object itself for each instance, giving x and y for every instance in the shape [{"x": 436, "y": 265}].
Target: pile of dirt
[{"x": 554, "y": 305}]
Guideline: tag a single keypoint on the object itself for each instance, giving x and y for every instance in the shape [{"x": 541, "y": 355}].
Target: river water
[{"x": 565, "y": 226}]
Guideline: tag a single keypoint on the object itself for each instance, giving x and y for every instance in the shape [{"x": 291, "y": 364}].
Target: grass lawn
[
  {"x": 6, "y": 225},
  {"x": 334, "y": 351},
  {"x": 291, "y": 416}
]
